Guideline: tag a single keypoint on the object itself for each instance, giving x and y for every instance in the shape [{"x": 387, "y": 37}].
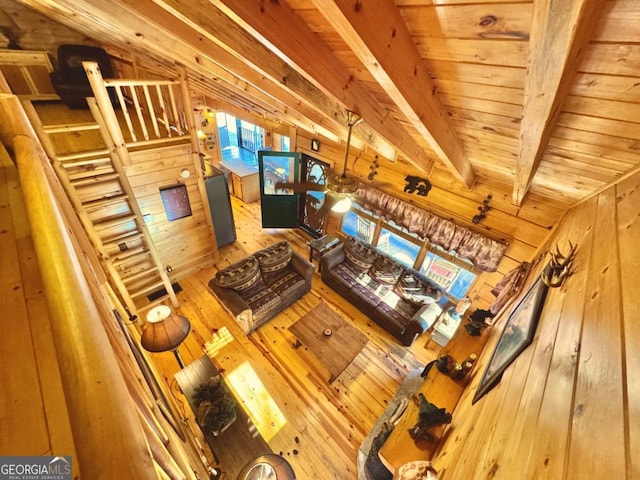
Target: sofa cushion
[
  {"x": 415, "y": 290},
  {"x": 261, "y": 298},
  {"x": 386, "y": 271},
  {"x": 343, "y": 274},
  {"x": 365, "y": 295},
  {"x": 285, "y": 282},
  {"x": 403, "y": 307},
  {"x": 274, "y": 258},
  {"x": 359, "y": 255},
  {"x": 241, "y": 275},
  {"x": 394, "y": 320}
]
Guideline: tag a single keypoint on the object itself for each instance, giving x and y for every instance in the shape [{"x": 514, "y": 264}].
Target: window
[
  {"x": 239, "y": 139},
  {"x": 400, "y": 248},
  {"x": 285, "y": 144},
  {"x": 454, "y": 279},
  {"x": 454, "y": 275}
]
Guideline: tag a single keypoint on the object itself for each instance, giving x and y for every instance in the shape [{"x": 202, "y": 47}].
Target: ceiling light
[{"x": 343, "y": 205}]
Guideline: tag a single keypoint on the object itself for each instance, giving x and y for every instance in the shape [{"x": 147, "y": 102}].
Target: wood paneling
[
  {"x": 186, "y": 244},
  {"x": 574, "y": 389}
]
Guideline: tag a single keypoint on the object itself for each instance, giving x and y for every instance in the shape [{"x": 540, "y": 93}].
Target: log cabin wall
[
  {"x": 525, "y": 228},
  {"x": 185, "y": 245},
  {"x": 569, "y": 406}
]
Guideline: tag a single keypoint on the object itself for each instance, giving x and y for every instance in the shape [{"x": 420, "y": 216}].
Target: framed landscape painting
[{"x": 517, "y": 335}]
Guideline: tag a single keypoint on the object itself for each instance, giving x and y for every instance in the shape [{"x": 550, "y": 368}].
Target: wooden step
[
  {"x": 147, "y": 289},
  {"x": 137, "y": 276},
  {"x": 89, "y": 172},
  {"x": 68, "y": 157},
  {"x": 127, "y": 237},
  {"x": 70, "y": 127},
  {"x": 86, "y": 162},
  {"x": 104, "y": 201},
  {"x": 95, "y": 179},
  {"x": 128, "y": 255},
  {"x": 114, "y": 222}
]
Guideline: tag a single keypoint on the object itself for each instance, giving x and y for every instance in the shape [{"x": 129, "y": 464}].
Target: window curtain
[{"x": 483, "y": 252}]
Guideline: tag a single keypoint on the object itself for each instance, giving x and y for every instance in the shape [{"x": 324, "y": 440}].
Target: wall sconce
[
  {"x": 185, "y": 173},
  {"x": 165, "y": 331},
  {"x": 483, "y": 209},
  {"x": 315, "y": 145}
]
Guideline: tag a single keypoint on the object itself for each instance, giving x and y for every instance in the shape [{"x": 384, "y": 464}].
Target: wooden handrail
[{"x": 109, "y": 438}]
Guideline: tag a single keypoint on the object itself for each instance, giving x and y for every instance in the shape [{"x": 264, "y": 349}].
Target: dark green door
[{"x": 279, "y": 205}]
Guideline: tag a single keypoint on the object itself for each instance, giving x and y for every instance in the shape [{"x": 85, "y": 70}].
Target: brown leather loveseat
[{"x": 398, "y": 298}]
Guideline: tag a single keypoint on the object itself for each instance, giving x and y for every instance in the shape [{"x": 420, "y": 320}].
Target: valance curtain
[{"x": 483, "y": 252}]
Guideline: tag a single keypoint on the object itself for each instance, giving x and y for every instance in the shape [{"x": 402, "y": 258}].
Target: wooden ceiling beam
[
  {"x": 279, "y": 28},
  {"x": 124, "y": 25},
  {"x": 205, "y": 52},
  {"x": 379, "y": 37},
  {"x": 252, "y": 60},
  {"x": 560, "y": 33}
]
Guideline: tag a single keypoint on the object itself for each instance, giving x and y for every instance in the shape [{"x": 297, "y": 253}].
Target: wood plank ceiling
[{"x": 539, "y": 95}]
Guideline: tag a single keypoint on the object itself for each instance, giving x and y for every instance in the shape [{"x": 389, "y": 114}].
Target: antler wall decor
[{"x": 559, "y": 267}]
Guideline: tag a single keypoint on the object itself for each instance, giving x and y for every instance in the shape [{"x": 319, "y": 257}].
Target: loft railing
[{"x": 152, "y": 110}]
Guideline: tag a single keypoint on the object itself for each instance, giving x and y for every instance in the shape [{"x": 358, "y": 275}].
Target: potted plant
[{"x": 216, "y": 408}]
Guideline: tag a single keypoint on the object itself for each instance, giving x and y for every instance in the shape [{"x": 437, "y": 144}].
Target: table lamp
[{"x": 165, "y": 331}]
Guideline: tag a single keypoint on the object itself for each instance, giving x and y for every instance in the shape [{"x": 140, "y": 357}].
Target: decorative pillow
[
  {"x": 416, "y": 291},
  {"x": 359, "y": 255},
  {"x": 274, "y": 258},
  {"x": 386, "y": 271},
  {"x": 241, "y": 275}
]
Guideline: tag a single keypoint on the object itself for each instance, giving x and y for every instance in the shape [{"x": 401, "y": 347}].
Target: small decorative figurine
[
  {"x": 428, "y": 416},
  {"x": 417, "y": 184}
]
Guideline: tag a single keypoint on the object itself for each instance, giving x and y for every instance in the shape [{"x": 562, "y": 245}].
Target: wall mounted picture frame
[
  {"x": 516, "y": 336},
  {"x": 176, "y": 202}
]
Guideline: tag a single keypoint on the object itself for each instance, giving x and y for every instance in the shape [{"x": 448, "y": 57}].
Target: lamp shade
[
  {"x": 342, "y": 205},
  {"x": 164, "y": 330}
]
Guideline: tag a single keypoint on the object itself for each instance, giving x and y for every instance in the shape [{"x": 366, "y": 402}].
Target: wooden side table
[{"x": 321, "y": 245}]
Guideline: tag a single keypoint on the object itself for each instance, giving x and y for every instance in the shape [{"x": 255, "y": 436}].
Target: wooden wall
[
  {"x": 29, "y": 367},
  {"x": 186, "y": 245},
  {"x": 525, "y": 227},
  {"x": 569, "y": 407}
]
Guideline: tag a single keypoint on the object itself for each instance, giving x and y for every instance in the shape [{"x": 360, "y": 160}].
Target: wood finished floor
[{"x": 325, "y": 424}]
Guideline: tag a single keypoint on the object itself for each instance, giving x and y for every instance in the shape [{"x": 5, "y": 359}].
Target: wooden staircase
[{"x": 97, "y": 186}]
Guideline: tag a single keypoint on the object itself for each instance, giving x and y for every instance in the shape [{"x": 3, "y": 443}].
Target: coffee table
[{"x": 333, "y": 351}]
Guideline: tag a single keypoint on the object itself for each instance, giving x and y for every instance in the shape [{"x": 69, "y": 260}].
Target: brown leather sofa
[
  {"x": 261, "y": 285},
  {"x": 399, "y": 299}
]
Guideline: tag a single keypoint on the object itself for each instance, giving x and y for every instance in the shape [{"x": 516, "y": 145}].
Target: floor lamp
[{"x": 164, "y": 331}]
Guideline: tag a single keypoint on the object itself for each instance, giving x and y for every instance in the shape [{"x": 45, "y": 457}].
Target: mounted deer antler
[{"x": 559, "y": 267}]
